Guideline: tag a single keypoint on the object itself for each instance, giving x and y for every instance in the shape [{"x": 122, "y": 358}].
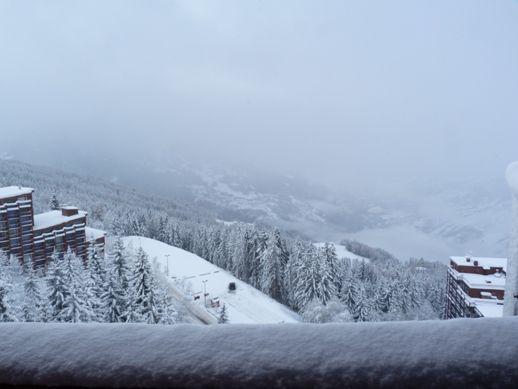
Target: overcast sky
[{"x": 341, "y": 90}]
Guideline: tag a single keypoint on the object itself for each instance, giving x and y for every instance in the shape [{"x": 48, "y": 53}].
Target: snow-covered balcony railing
[{"x": 455, "y": 353}]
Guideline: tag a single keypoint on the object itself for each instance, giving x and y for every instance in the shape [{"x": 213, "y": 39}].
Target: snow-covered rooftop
[
  {"x": 489, "y": 308},
  {"x": 94, "y": 233},
  {"x": 479, "y": 281},
  {"x": 484, "y": 262},
  {"x": 11, "y": 191},
  {"x": 53, "y": 218}
]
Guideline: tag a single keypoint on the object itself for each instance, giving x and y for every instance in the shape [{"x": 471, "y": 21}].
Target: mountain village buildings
[
  {"x": 26, "y": 235},
  {"x": 475, "y": 287}
]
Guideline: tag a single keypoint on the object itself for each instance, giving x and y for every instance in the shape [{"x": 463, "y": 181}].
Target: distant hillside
[
  {"x": 416, "y": 219},
  {"x": 101, "y": 199}
]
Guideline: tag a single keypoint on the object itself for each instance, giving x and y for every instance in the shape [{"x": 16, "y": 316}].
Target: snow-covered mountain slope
[
  {"x": 342, "y": 252},
  {"x": 419, "y": 219},
  {"x": 188, "y": 273}
]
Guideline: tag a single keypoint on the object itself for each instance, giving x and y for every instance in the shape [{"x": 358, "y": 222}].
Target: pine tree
[
  {"x": 33, "y": 304},
  {"x": 363, "y": 308},
  {"x": 290, "y": 276},
  {"x": 244, "y": 255},
  {"x": 54, "y": 203},
  {"x": 220, "y": 256},
  {"x": 223, "y": 318},
  {"x": 11, "y": 272},
  {"x": 78, "y": 305},
  {"x": 5, "y": 287},
  {"x": 120, "y": 284},
  {"x": 117, "y": 226},
  {"x": 167, "y": 315},
  {"x": 119, "y": 263},
  {"x": 144, "y": 297},
  {"x": 57, "y": 287},
  {"x": 4, "y": 305},
  {"x": 112, "y": 301},
  {"x": 272, "y": 266},
  {"x": 94, "y": 278},
  {"x": 331, "y": 259},
  {"x": 314, "y": 280},
  {"x": 349, "y": 293}
]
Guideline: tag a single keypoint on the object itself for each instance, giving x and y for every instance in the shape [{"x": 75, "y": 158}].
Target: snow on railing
[{"x": 454, "y": 353}]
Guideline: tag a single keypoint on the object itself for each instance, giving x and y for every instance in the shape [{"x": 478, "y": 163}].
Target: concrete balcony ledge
[{"x": 456, "y": 353}]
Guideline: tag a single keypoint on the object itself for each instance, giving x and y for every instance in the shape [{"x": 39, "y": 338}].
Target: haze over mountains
[
  {"x": 418, "y": 220},
  {"x": 388, "y": 122}
]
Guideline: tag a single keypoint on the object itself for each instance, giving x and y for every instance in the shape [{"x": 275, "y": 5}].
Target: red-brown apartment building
[
  {"x": 475, "y": 287},
  {"x": 26, "y": 235}
]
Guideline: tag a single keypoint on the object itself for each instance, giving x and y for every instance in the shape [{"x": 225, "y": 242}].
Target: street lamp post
[{"x": 205, "y": 292}]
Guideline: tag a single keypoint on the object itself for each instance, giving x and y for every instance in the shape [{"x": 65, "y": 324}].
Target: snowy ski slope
[
  {"x": 342, "y": 252},
  {"x": 187, "y": 272}
]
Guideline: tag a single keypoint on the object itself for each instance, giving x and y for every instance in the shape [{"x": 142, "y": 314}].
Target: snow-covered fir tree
[
  {"x": 223, "y": 317},
  {"x": 144, "y": 297},
  {"x": 113, "y": 301},
  {"x": 54, "y": 203},
  {"x": 4, "y": 304},
  {"x": 33, "y": 308},
  {"x": 272, "y": 266},
  {"x": 314, "y": 280},
  {"x": 5, "y": 288},
  {"x": 333, "y": 312},
  {"x": 79, "y": 301},
  {"x": 95, "y": 279},
  {"x": 57, "y": 288}
]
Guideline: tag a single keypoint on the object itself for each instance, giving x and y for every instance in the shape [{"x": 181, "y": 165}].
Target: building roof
[
  {"x": 94, "y": 233},
  {"x": 483, "y": 262},
  {"x": 12, "y": 191},
  {"x": 489, "y": 308},
  {"x": 480, "y": 281},
  {"x": 54, "y": 218}
]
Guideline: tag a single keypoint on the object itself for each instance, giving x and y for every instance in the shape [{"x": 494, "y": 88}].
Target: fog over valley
[{"x": 333, "y": 121}]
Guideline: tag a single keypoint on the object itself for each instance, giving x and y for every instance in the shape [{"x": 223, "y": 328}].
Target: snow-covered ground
[
  {"x": 462, "y": 353},
  {"x": 190, "y": 274},
  {"x": 342, "y": 252}
]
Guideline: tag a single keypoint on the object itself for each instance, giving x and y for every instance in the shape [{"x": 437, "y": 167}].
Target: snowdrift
[
  {"x": 187, "y": 273},
  {"x": 457, "y": 353}
]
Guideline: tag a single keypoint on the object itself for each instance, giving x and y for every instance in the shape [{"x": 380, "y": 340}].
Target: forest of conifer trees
[
  {"x": 311, "y": 280},
  {"x": 113, "y": 289}
]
